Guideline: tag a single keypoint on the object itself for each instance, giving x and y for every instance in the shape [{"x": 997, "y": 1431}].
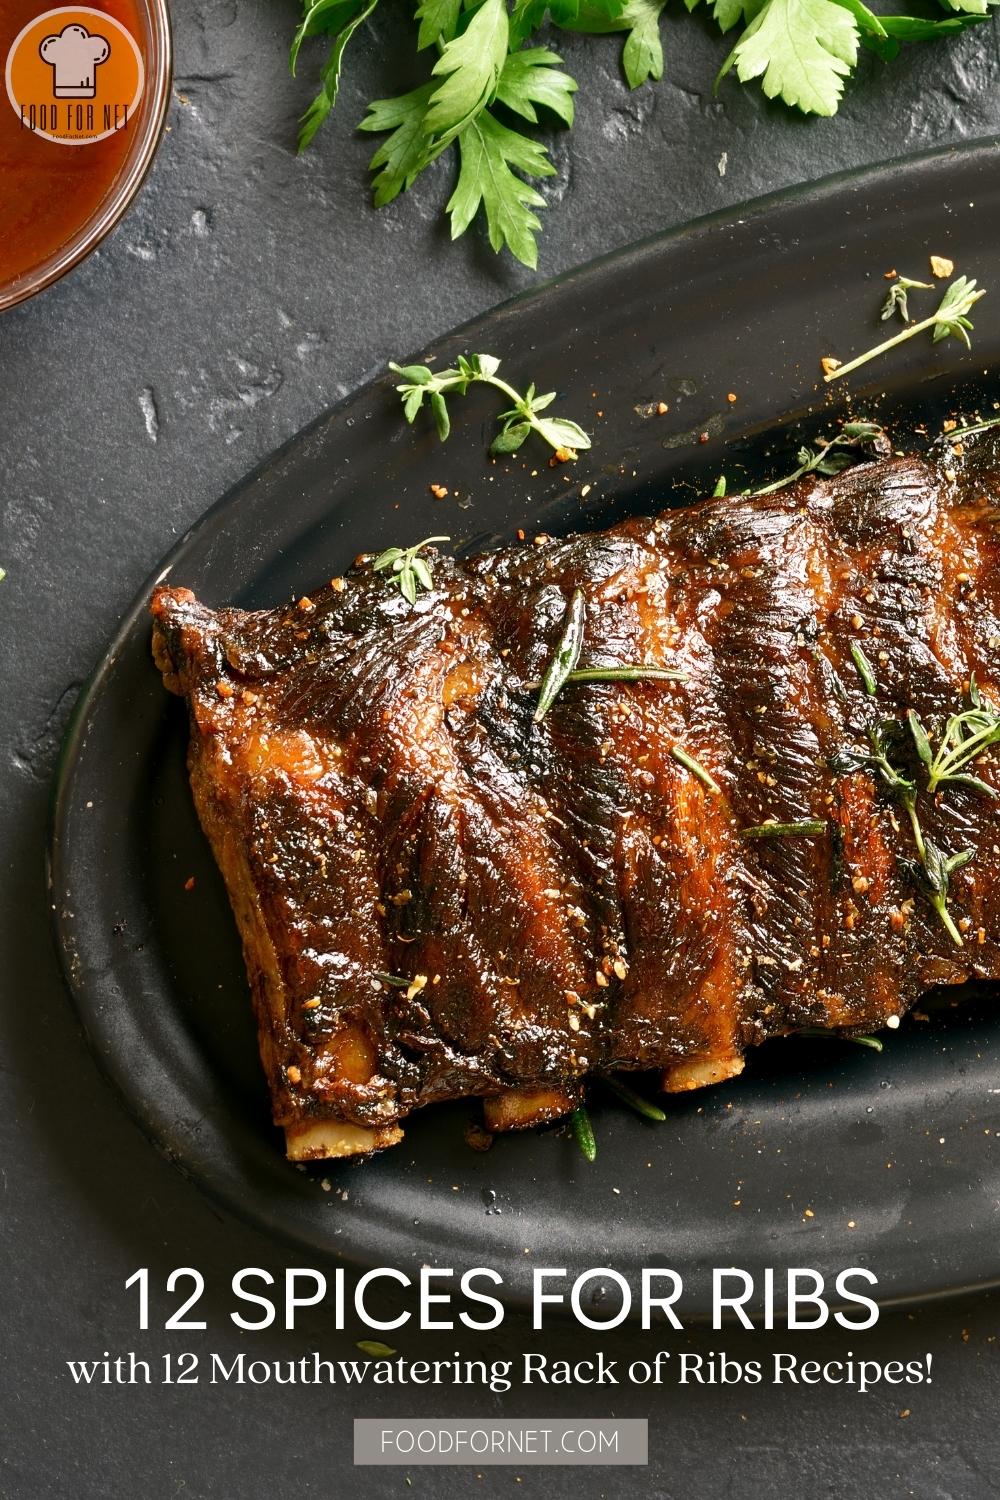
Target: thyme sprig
[
  {"x": 829, "y": 457},
  {"x": 881, "y": 738},
  {"x": 933, "y": 876},
  {"x": 419, "y": 383},
  {"x": 950, "y": 320},
  {"x": 966, "y": 735},
  {"x": 409, "y": 571}
]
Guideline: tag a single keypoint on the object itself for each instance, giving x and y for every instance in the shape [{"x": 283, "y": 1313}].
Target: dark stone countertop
[{"x": 246, "y": 291}]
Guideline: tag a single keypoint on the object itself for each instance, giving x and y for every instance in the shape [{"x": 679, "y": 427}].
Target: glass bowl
[{"x": 146, "y": 129}]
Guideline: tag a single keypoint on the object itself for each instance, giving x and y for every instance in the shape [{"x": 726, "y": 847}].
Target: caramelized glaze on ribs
[{"x": 565, "y": 897}]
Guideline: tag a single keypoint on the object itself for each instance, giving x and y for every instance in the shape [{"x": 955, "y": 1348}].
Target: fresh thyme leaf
[
  {"x": 634, "y": 1101},
  {"x": 566, "y": 656},
  {"x": 407, "y": 570},
  {"x": 920, "y": 739},
  {"x": 720, "y": 487},
  {"x": 806, "y": 829},
  {"x": 419, "y": 383},
  {"x": 394, "y": 981},
  {"x": 950, "y": 320},
  {"x": 583, "y": 1132},
  {"x": 933, "y": 874},
  {"x": 375, "y": 1348},
  {"x": 695, "y": 767},
  {"x": 562, "y": 435},
  {"x": 864, "y": 669},
  {"x": 897, "y": 300}
]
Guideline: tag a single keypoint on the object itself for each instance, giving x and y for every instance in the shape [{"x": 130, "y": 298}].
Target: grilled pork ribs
[{"x": 441, "y": 896}]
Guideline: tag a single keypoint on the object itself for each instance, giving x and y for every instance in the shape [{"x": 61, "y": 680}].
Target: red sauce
[{"x": 48, "y": 190}]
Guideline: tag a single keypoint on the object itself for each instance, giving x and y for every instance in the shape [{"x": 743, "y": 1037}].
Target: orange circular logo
[{"x": 74, "y": 75}]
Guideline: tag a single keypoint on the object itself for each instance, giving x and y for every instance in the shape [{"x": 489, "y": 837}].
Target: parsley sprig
[
  {"x": 485, "y": 88},
  {"x": 419, "y": 383}
]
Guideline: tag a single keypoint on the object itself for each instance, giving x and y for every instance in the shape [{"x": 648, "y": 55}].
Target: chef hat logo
[{"x": 74, "y": 56}]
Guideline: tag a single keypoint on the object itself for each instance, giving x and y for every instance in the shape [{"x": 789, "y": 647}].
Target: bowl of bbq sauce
[{"x": 81, "y": 115}]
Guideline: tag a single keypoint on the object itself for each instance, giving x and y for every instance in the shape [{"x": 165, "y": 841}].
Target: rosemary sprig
[
  {"x": 829, "y": 457},
  {"x": 897, "y": 300},
  {"x": 616, "y": 674},
  {"x": 583, "y": 1132},
  {"x": 966, "y": 735},
  {"x": 951, "y": 320},
  {"x": 410, "y": 572},
  {"x": 807, "y": 828},
  {"x": 696, "y": 768},
  {"x": 837, "y": 1036},
  {"x": 864, "y": 670},
  {"x": 566, "y": 656},
  {"x": 960, "y": 433},
  {"x": 621, "y": 674},
  {"x": 419, "y": 384},
  {"x": 644, "y": 1107}
]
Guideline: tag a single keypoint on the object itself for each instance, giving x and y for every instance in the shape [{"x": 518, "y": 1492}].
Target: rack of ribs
[{"x": 441, "y": 896}]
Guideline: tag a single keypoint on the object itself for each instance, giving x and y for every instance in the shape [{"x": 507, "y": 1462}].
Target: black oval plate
[{"x": 822, "y": 1154}]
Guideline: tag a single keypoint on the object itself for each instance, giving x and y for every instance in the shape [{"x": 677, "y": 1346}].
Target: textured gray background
[{"x": 245, "y": 292}]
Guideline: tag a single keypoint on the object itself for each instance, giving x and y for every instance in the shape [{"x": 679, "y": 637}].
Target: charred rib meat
[{"x": 441, "y": 897}]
